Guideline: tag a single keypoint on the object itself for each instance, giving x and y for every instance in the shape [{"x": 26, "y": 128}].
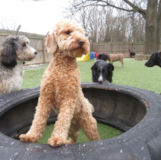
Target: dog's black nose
[
  {"x": 100, "y": 82},
  {"x": 81, "y": 42},
  {"x": 35, "y": 52}
]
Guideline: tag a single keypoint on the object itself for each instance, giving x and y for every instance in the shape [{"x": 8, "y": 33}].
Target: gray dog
[{"x": 15, "y": 50}]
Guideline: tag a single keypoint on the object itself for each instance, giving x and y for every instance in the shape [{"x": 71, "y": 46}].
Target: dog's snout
[
  {"x": 100, "y": 79},
  {"x": 35, "y": 52},
  {"x": 81, "y": 42},
  {"x": 100, "y": 82}
]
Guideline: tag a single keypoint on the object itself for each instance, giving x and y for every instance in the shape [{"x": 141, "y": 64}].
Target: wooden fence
[
  {"x": 38, "y": 42},
  {"x": 114, "y": 48}
]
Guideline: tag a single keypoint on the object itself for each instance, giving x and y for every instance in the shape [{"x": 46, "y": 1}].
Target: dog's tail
[{"x": 103, "y": 56}]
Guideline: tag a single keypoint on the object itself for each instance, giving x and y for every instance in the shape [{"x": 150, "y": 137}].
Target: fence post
[
  {"x": 111, "y": 48},
  {"x": 44, "y": 50},
  {"x": 91, "y": 48}
]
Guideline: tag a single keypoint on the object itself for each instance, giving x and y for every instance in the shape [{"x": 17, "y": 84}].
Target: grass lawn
[
  {"x": 104, "y": 132},
  {"x": 134, "y": 73}
]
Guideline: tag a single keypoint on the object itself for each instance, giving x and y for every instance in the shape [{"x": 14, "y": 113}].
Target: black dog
[
  {"x": 103, "y": 57},
  {"x": 155, "y": 59},
  {"x": 132, "y": 54},
  {"x": 102, "y": 71}
]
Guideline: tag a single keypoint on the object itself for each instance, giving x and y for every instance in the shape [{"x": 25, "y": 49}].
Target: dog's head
[
  {"x": 102, "y": 71},
  {"x": 16, "y": 49},
  {"x": 155, "y": 59},
  {"x": 103, "y": 56},
  {"x": 68, "y": 37}
]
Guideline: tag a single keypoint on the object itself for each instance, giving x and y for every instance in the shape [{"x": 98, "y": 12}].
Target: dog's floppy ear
[
  {"x": 94, "y": 73},
  {"x": 159, "y": 60},
  {"x": 110, "y": 67},
  {"x": 51, "y": 44},
  {"x": 8, "y": 54},
  {"x": 159, "y": 54},
  {"x": 93, "y": 67}
]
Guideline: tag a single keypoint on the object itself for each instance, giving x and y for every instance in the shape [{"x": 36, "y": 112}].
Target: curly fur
[
  {"x": 15, "y": 50},
  {"x": 60, "y": 89}
]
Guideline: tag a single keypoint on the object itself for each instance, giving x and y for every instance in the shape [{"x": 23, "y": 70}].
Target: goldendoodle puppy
[{"x": 60, "y": 89}]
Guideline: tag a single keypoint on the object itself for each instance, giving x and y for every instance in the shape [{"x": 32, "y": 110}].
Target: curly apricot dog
[{"x": 60, "y": 89}]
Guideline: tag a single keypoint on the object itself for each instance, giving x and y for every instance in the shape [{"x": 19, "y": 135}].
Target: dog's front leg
[
  {"x": 38, "y": 125},
  {"x": 62, "y": 125}
]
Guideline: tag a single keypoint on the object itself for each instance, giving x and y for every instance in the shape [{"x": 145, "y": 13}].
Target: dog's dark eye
[
  {"x": 68, "y": 32},
  {"x": 24, "y": 45},
  {"x": 103, "y": 71}
]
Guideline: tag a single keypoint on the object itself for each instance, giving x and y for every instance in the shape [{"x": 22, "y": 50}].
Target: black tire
[{"x": 135, "y": 111}]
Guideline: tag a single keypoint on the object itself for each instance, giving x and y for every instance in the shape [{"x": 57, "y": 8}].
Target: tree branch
[
  {"x": 140, "y": 10},
  {"x": 159, "y": 21},
  {"x": 109, "y": 4},
  {"x": 18, "y": 29},
  {"x": 104, "y": 3}
]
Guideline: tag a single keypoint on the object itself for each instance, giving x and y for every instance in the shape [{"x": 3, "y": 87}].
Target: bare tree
[
  {"x": 8, "y": 23},
  {"x": 112, "y": 26},
  {"x": 149, "y": 9}
]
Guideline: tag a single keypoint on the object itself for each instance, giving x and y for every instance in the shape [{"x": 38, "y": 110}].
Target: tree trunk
[
  {"x": 151, "y": 40},
  {"x": 159, "y": 24}
]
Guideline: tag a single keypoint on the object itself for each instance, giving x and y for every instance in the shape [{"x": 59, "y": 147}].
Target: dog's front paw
[
  {"x": 56, "y": 141},
  {"x": 28, "y": 138}
]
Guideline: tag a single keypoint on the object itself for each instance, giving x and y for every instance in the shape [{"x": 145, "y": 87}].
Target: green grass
[
  {"x": 134, "y": 73},
  {"x": 33, "y": 75},
  {"x": 103, "y": 130}
]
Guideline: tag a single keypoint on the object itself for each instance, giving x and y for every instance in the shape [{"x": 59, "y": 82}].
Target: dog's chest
[
  {"x": 17, "y": 79},
  {"x": 18, "y": 70},
  {"x": 60, "y": 101},
  {"x": 64, "y": 86}
]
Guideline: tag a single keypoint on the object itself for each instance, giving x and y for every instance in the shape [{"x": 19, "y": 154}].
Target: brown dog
[
  {"x": 116, "y": 57},
  {"x": 61, "y": 90},
  {"x": 112, "y": 57}
]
